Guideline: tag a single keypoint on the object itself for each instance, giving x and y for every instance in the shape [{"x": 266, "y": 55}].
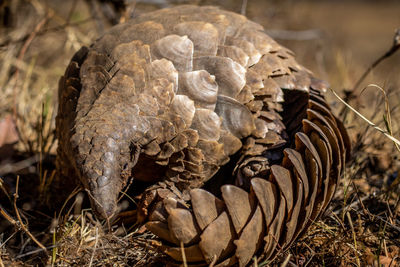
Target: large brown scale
[{"x": 168, "y": 98}]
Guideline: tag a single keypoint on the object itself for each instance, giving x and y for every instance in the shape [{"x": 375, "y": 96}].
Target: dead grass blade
[
  {"x": 95, "y": 247},
  {"x": 385, "y": 133},
  {"x": 183, "y": 255},
  {"x": 387, "y": 116},
  {"x": 21, "y": 223}
]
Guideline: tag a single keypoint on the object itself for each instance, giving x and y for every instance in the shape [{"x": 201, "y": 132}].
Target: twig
[
  {"x": 123, "y": 193},
  {"x": 360, "y": 200},
  {"x": 286, "y": 261},
  {"x": 71, "y": 195},
  {"x": 8, "y": 239},
  {"x": 71, "y": 11},
  {"x": 42, "y": 32},
  {"x": 183, "y": 254},
  {"x": 213, "y": 262},
  {"x": 54, "y": 250},
  {"x": 387, "y": 222},
  {"x": 352, "y": 205},
  {"x": 35, "y": 251},
  {"x": 13, "y": 168},
  {"x": 244, "y": 7},
  {"x": 7, "y": 216},
  {"x": 95, "y": 11},
  {"x": 312, "y": 254},
  {"x": 22, "y": 52},
  {"x": 4, "y": 189},
  {"x": 255, "y": 262},
  {"x": 354, "y": 237},
  {"x": 393, "y": 261},
  {"x": 338, "y": 220},
  {"x": 95, "y": 247},
  {"x": 381, "y": 242},
  {"x": 390, "y": 52},
  {"x": 21, "y": 224}
]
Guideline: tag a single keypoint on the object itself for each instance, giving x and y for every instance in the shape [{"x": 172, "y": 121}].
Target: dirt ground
[{"x": 337, "y": 40}]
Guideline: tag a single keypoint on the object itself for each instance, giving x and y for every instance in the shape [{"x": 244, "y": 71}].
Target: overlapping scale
[
  {"x": 279, "y": 206},
  {"x": 235, "y": 53},
  {"x": 178, "y": 92},
  {"x": 236, "y": 118},
  {"x": 207, "y": 123},
  {"x": 229, "y": 74},
  {"x": 178, "y": 49},
  {"x": 163, "y": 69},
  {"x": 203, "y": 35},
  {"x": 247, "y": 47},
  {"x": 199, "y": 86}
]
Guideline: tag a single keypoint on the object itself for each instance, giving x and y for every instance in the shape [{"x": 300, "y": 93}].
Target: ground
[{"x": 337, "y": 40}]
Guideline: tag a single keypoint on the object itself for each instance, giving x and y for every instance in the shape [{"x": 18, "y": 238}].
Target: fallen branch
[
  {"x": 21, "y": 224},
  {"x": 390, "y": 52}
]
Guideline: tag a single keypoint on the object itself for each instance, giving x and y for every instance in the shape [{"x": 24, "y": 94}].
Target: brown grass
[{"x": 40, "y": 227}]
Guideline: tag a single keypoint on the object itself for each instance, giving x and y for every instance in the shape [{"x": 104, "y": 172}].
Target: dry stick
[
  {"x": 95, "y": 247},
  {"x": 244, "y": 7},
  {"x": 389, "y": 224},
  {"x": 360, "y": 200},
  {"x": 354, "y": 237},
  {"x": 95, "y": 11},
  {"x": 128, "y": 12},
  {"x": 213, "y": 262},
  {"x": 255, "y": 264},
  {"x": 5, "y": 191},
  {"x": 396, "y": 211},
  {"x": 71, "y": 195},
  {"x": 8, "y": 239},
  {"x": 7, "y": 216},
  {"x": 312, "y": 254},
  {"x": 41, "y": 177},
  {"x": 42, "y": 32},
  {"x": 34, "y": 252},
  {"x": 21, "y": 224},
  {"x": 393, "y": 261},
  {"x": 335, "y": 217},
  {"x": 390, "y": 52},
  {"x": 351, "y": 94},
  {"x": 15, "y": 167},
  {"x": 352, "y": 205},
  {"x": 71, "y": 11},
  {"x": 183, "y": 254},
  {"x": 286, "y": 261},
  {"x": 22, "y": 53}
]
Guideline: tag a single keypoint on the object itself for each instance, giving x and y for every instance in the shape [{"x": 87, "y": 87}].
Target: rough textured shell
[{"x": 168, "y": 98}]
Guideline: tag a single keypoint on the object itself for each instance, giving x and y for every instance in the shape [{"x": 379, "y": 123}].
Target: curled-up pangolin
[{"x": 188, "y": 96}]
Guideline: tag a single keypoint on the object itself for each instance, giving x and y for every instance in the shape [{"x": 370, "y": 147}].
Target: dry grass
[{"x": 362, "y": 226}]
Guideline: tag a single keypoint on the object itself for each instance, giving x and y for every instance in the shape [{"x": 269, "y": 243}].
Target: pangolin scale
[{"x": 169, "y": 98}]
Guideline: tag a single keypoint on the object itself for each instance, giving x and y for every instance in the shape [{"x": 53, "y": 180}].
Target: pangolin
[{"x": 242, "y": 149}]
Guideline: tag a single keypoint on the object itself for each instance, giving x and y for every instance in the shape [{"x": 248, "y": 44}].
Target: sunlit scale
[{"x": 176, "y": 94}]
